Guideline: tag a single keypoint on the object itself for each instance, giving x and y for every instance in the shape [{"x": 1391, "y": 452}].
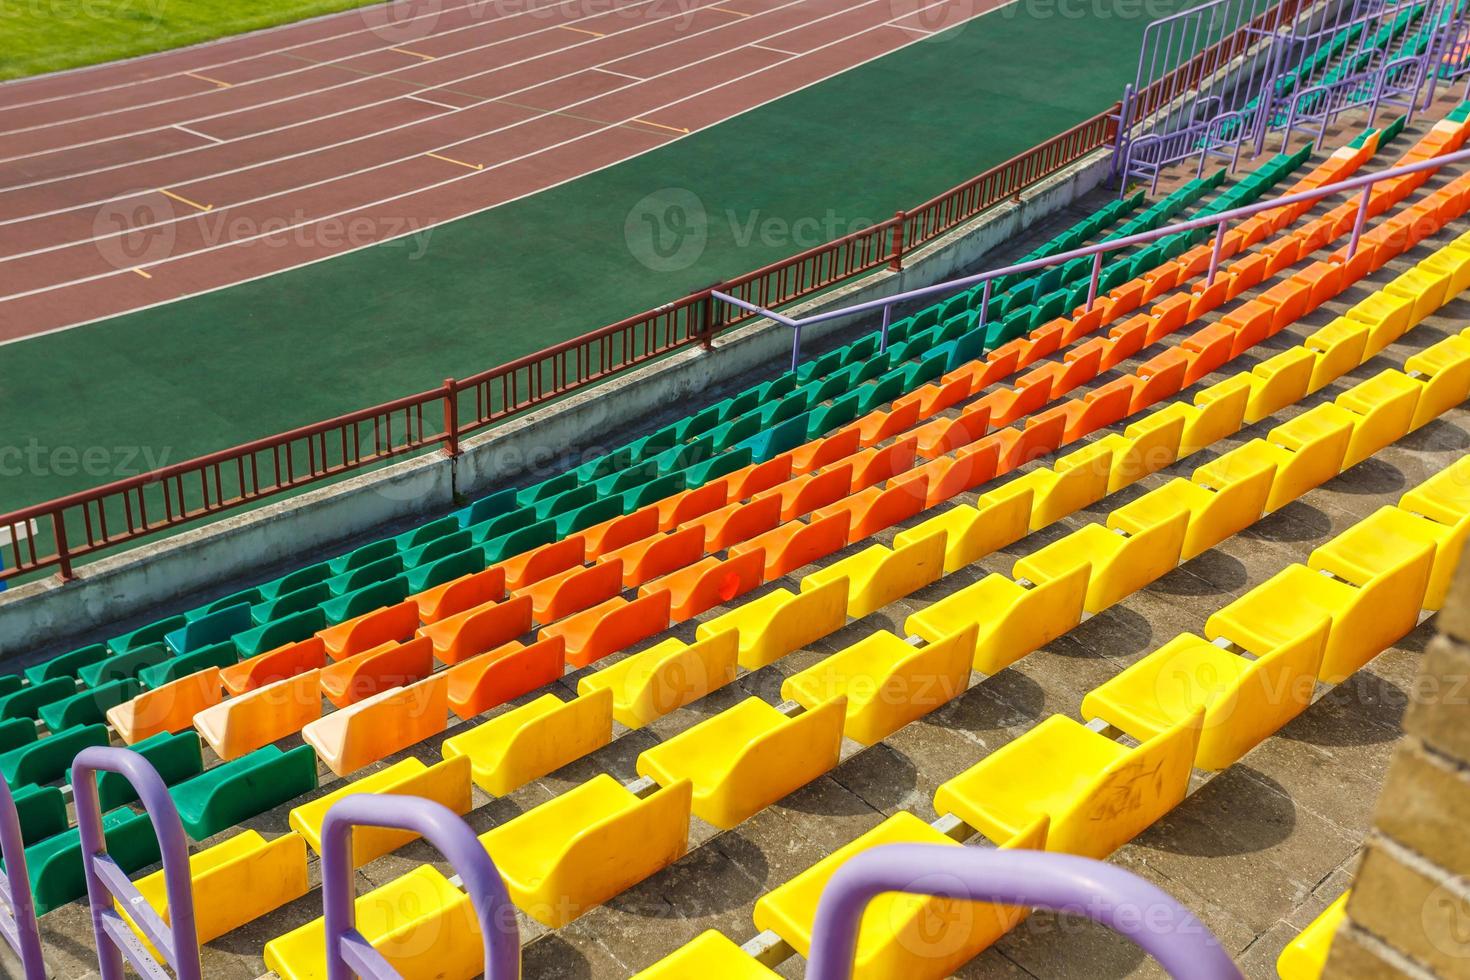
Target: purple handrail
[
  {"x": 1116, "y": 898},
  {"x": 178, "y": 939},
  {"x": 348, "y": 953},
  {"x": 18, "y": 924}
]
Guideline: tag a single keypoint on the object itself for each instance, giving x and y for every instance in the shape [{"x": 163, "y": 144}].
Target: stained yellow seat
[
  {"x": 901, "y": 935},
  {"x": 880, "y": 575},
  {"x": 778, "y": 623},
  {"x": 1424, "y": 287},
  {"x": 1099, "y": 794},
  {"x": 587, "y": 845},
  {"x": 748, "y": 757},
  {"x": 887, "y": 682},
  {"x": 528, "y": 742},
  {"x": 422, "y": 925},
  {"x": 1244, "y": 700},
  {"x": 1340, "y": 346},
  {"x": 708, "y": 956},
  {"x": 1011, "y": 619},
  {"x": 999, "y": 517},
  {"x": 1121, "y": 563},
  {"x": 668, "y": 675},
  {"x": 1305, "y": 957}
]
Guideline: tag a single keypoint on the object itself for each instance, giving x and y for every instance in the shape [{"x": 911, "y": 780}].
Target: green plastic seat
[
  {"x": 778, "y": 439},
  {"x": 27, "y": 702},
  {"x": 589, "y": 515},
  {"x": 122, "y": 665},
  {"x": 548, "y": 488},
  {"x": 68, "y": 664},
  {"x": 388, "y": 592},
  {"x": 442, "y": 570},
  {"x": 287, "y": 629},
  {"x": 819, "y": 423},
  {"x": 960, "y": 352},
  {"x": 299, "y": 579},
  {"x": 656, "y": 442},
  {"x": 566, "y": 501},
  {"x": 518, "y": 541},
  {"x": 10, "y": 683},
  {"x": 450, "y": 544},
  {"x": 884, "y": 390},
  {"x": 734, "y": 431},
  {"x": 822, "y": 366},
  {"x": 631, "y": 477},
  {"x": 248, "y": 596},
  {"x": 865, "y": 347},
  {"x": 712, "y": 469},
  {"x": 293, "y": 602},
  {"x": 681, "y": 457},
  {"x": 702, "y": 421},
  {"x": 365, "y": 575},
  {"x": 425, "y": 533},
  {"x": 650, "y": 492},
  {"x": 46, "y": 759},
  {"x": 17, "y": 732},
  {"x": 779, "y": 411},
  {"x": 176, "y": 756},
  {"x": 220, "y": 655},
  {"x": 89, "y": 707},
  {"x": 502, "y": 524},
  {"x": 1050, "y": 306},
  {"x": 834, "y": 385},
  {"x": 365, "y": 555},
  {"x": 232, "y": 792},
  {"x": 208, "y": 630},
  {"x": 487, "y": 507},
  {"x": 42, "y": 812},
  {"x": 143, "y": 635},
  {"x": 54, "y": 865}
]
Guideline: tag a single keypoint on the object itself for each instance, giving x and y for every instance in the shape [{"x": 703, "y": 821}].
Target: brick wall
[{"x": 1409, "y": 914}]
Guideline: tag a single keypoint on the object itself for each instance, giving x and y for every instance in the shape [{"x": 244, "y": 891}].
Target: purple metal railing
[
  {"x": 348, "y": 953},
  {"x": 176, "y": 940},
  {"x": 18, "y": 926},
  {"x": 1221, "y": 222},
  {"x": 1122, "y": 901}
]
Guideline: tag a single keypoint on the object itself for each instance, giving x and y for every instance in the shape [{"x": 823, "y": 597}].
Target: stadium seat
[
  {"x": 446, "y": 783},
  {"x": 1244, "y": 700},
  {"x": 528, "y": 742},
  {"x": 1384, "y": 406},
  {"x": 710, "y": 954},
  {"x": 89, "y": 705},
  {"x": 69, "y": 664},
  {"x": 385, "y": 625},
  {"x": 999, "y": 518},
  {"x": 879, "y": 575},
  {"x": 376, "y": 727},
  {"x": 1217, "y": 504},
  {"x": 1305, "y": 452},
  {"x": 45, "y": 760},
  {"x": 246, "y": 722},
  {"x": 538, "y": 563},
  {"x": 737, "y": 522},
  {"x": 886, "y": 682},
  {"x": 213, "y": 628},
  {"x": 709, "y": 583},
  {"x": 279, "y": 632},
  {"x": 1305, "y": 957},
  {"x": 484, "y": 627},
  {"x": 747, "y": 757},
  {"x": 1444, "y": 371},
  {"x": 235, "y": 791},
  {"x": 274, "y": 665},
  {"x": 795, "y": 544},
  {"x": 373, "y": 671},
  {"x": 55, "y": 864},
  {"x": 1388, "y": 536},
  {"x": 1076, "y": 480},
  {"x": 650, "y": 684},
  {"x": 490, "y": 679},
  {"x": 587, "y": 845},
  {"x": 28, "y": 701},
  {"x": 573, "y": 590},
  {"x": 779, "y": 622},
  {"x": 1120, "y": 564},
  {"x": 1099, "y": 794},
  {"x": 175, "y": 757},
  {"x": 610, "y": 627}
]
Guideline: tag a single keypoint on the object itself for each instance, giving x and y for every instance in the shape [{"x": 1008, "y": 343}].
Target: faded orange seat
[
  {"x": 820, "y": 452},
  {"x": 1042, "y": 435},
  {"x": 795, "y": 544},
  {"x": 1290, "y": 299},
  {"x": 1252, "y": 324},
  {"x": 604, "y": 629},
  {"x": 486, "y": 681},
  {"x": 750, "y": 480},
  {"x": 274, "y": 665},
  {"x": 872, "y": 510},
  {"x": 371, "y": 630},
  {"x": 737, "y": 522},
  {"x": 374, "y": 729},
  {"x": 804, "y": 494},
  {"x": 460, "y": 594},
  {"x": 967, "y": 469},
  {"x": 657, "y": 555},
  {"x": 170, "y": 708},
  {"x": 709, "y": 583},
  {"x": 479, "y": 629},
  {"x": 879, "y": 425},
  {"x": 548, "y": 559},
  {"x": 372, "y": 671},
  {"x": 946, "y": 435},
  {"x": 241, "y": 725},
  {"x": 875, "y": 464},
  {"x": 622, "y": 530},
  {"x": 687, "y": 505},
  {"x": 573, "y": 590}
]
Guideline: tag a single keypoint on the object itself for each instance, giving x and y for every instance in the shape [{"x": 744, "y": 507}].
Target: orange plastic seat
[
  {"x": 1170, "y": 313},
  {"x": 370, "y": 630},
  {"x": 1100, "y": 407},
  {"x": 804, "y": 494},
  {"x": 373, "y": 671},
  {"x": 538, "y": 563},
  {"x": 751, "y": 480},
  {"x": 658, "y": 555},
  {"x": 479, "y": 629},
  {"x": 1042, "y": 435},
  {"x": 1252, "y": 324},
  {"x": 737, "y": 522},
  {"x": 709, "y": 583},
  {"x": 242, "y": 724},
  {"x": 623, "y": 530},
  {"x": 274, "y": 665},
  {"x": 169, "y": 708},
  {"x": 795, "y": 544},
  {"x": 1127, "y": 339},
  {"x": 375, "y": 728},
  {"x": 878, "y": 425},
  {"x": 491, "y": 679},
  {"x": 1323, "y": 281},
  {"x": 1290, "y": 298},
  {"x": 820, "y": 452},
  {"x": 573, "y": 590},
  {"x": 967, "y": 469},
  {"x": 1162, "y": 376},
  {"x": 689, "y": 504},
  {"x": 460, "y": 594},
  {"x": 874, "y": 465},
  {"x": 873, "y": 510},
  {"x": 946, "y": 435},
  {"x": 1008, "y": 404},
  {"x": 1207, "y": 349},
  {"x": 610, "y": 627}
]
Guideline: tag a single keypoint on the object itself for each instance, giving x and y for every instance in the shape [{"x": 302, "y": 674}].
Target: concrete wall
[{"x": 117, "y": 593}]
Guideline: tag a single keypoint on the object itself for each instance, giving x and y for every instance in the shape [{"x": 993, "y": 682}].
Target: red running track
[{"x": 141, "y": 182}]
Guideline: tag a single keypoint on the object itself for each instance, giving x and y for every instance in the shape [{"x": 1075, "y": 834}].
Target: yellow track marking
[
  {"x": 472, "y": 166},
  {"x": 206, "y": 78},
  {"x": 145, "y": 275},
  {"x": 672, "y": 129},
  {"x": 416, "y": 54},
  {"x": 184, "y": 200},
  {"x": 568, "y": 27}
]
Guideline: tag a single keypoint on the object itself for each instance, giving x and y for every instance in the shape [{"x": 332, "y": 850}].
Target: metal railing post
[
  {"x": 1359, "y": 221},
  {"x": 18, "y": 913},
  {"x": 451, "y": 417},
  {"x": 1215, "y": 253},
  {"x": 900, "y": 220},
  {"x": 63, "y": 550},
  {"x": 883, "y": 330},
  {"x": 1096, "y": 275}
]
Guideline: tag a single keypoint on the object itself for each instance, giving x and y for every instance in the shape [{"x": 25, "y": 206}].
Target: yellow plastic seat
[
  {"x": 1011, "y": 619},
  {"x": 1385, "y": 315},
  {"x": 1146, "y": 446},
  {"x": 1425, "y": 289},
  {"x": 587, "y": 845},
  {"x": 422, "y": 925},
  {"x": 1444, "y": 371},
  {"x": 901, "y": 935},
  {"x": 234, "y": 882},
  {"x": 748, "y": 757},
  {"x": 1098, "y": 793},
  {"x": 1305, "y": 957},
  {"x": 1305, "y": 452},
  {"x": 1218, "y": 505},
  {"x": 1244, "y": 700},
  {"x": 1340, "y": 346},
  {"x": 1455, "y": 263},
  {"x": 1385, "y": 404},
  {"x": 669, "y": 675},
  {"x": 1365, "y": 620},
  {"x": 879, "y": 575},
  {"x": 1218, "y": 411},
  {"x": 1000, "y": 517},
  {"x": 1386, "y": 538},
  {"x": 779, "y": 622},
  {"x": 1121, "y": 563},
  {"x": 528, "y": 742},
  {"x": 446, "y": 783},
  {"x": 887, "y": 682},
  {"x": 708, "y": 956},
  {"x": 353, "y": 737},
  {"x": 1076, "y": 480},
  {"x": 1444, "y": 497},
  {"x": 1279, "y": 381}
]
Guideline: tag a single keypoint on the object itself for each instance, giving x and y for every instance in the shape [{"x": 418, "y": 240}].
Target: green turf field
[
  {"x": 173, "y": 382},
  {"x": 45, "y": 36}
]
